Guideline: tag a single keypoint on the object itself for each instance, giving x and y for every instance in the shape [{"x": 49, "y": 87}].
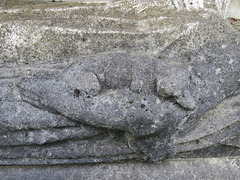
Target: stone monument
[{"x": 151, "y": 86}]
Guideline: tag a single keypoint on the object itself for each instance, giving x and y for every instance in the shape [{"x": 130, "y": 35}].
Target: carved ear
[
  {"x": 173, "y": 84},
  {"x": 77, "y": 78}
]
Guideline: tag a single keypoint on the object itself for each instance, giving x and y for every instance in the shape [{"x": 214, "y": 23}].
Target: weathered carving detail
[{"x": 142, "y": 96}]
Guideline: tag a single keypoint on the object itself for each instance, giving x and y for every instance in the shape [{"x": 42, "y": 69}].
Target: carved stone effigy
[
  {"x": 149, "y": 100},
  {"x": 168, "y": 91}
]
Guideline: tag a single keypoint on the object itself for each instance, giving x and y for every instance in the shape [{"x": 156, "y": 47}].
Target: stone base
[{"x": 209, "y": 168}]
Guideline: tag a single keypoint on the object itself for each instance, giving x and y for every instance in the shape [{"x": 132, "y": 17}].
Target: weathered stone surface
[
  {"x": 122, "y": 81},
  {"x": 171, "y": 96},
  {"x": 199, "y": 168},
  {"x": 214, "y": 126},
  {"x": 60, "y": 32}
]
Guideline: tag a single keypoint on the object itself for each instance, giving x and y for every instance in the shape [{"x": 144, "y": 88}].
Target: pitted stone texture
[
  {"x": 152, "y": 117},
  {"x": 190, "y": 169},
  {"x": 83, "y": 81},
  {"x": 60, "y": 32}
]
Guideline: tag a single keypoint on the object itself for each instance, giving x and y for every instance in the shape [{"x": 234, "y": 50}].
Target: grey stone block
[{"x": 123, "y": 81}]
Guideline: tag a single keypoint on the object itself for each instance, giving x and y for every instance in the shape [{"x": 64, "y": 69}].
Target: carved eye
[{"x": 76, "y": 92}]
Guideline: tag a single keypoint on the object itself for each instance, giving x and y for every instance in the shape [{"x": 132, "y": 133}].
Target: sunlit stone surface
[{"x": 117, "y": 81}]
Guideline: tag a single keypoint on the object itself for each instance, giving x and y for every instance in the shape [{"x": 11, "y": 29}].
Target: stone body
[
  {"x": 142, "y": 96},
  {"x": 151, "y": 82}
]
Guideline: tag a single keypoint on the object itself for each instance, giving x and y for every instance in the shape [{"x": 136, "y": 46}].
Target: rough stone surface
[
  {"x": 119, "y": 81},
  {"x": 208, "y": 168},
  {"x": 162, "y": 100}
]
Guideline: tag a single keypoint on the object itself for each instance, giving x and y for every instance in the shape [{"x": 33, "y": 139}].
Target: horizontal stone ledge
[{"x": 208, "y": 168}]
